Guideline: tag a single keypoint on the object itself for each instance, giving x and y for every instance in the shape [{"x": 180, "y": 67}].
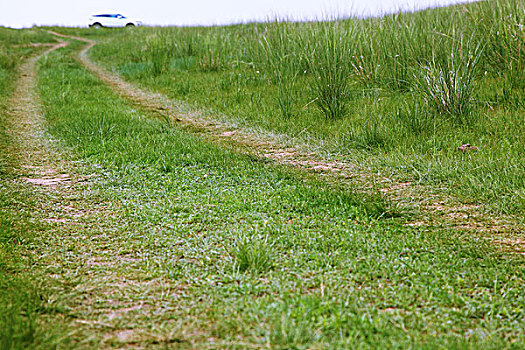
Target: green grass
[
  {"x": 10, "y": 37},
  {"x": 252, "y": 254},
  {"x": 398, "y": 93},
  {"x": 265, "y": 257},
  {"x": 14, "y": 47},
  {"x": 26, "y": 306},
  {"x": 22, "y": 302}
]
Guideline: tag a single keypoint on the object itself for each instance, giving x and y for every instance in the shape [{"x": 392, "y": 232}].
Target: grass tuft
[
  {"x": 252, "y": 253},
  {"x": 447, "y": 83},
  {"x": 329, "y": 64}
]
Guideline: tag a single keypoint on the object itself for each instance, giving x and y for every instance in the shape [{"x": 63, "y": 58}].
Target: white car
[{"x": 112, "y": 20}]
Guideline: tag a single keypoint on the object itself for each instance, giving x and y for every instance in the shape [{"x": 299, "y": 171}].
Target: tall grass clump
[
  {"x": 390, "y": 48},
  {"x": 210, "y": 61},
  {"x": 414, "y": 118},
  {"x": 404, "y": 41},
  {"x": 329, "y": 63},
  {"x": 447, "y": 83},
  {"x": 504, "y": 21},
  {"x": 282, "y": 57},
  {"x": 386, "y": 52},
  {"x": 216, "y": 50},
  {"x": 160, "y": 49},
  {"x": 8, "y": 61},
  {"x": 10, "y": 58},
  {"x": 252, "y": 253}
]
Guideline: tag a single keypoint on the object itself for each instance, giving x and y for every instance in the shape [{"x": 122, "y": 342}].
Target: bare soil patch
[{"x": 55, "y": 181}]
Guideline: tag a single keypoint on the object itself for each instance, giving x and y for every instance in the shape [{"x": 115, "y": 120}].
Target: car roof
[{"x": 108, "y": 15}]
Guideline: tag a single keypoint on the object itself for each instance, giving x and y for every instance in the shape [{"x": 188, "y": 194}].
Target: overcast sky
[{"x": 26, "y": 13}]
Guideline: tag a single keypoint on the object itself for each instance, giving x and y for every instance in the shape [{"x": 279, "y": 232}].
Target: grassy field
[
  {"x": 265, "y": 257},
  {"x": 172, "y": 241},
  {"x": 398, "y": 93}
]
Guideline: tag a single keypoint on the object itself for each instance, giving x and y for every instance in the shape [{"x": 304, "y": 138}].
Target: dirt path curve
[
  {"x": 264, "y": 145},
  {"x": 432, "y": 207},
  {"x": 29, "y": 147},
  {"x": 102, "y": 292}
]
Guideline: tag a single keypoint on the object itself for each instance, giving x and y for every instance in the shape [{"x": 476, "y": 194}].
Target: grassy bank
[
  {"x": 398, "y": 94},
  {"x": 258, "y": 256}
]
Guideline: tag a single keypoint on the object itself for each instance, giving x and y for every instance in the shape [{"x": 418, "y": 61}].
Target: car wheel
[
  {"x": 96, "y": 25},
  {"x": 129, "y": 25}
]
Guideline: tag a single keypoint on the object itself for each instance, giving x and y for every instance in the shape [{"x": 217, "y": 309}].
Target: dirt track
[
  {"x": 94, "y": 282},
  {"x": 25, "y": 122},
  {"x": 432, "y": 208}
]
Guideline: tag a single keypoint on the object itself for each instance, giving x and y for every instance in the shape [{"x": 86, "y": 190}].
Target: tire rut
[{"x": 29, "y": 147}]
